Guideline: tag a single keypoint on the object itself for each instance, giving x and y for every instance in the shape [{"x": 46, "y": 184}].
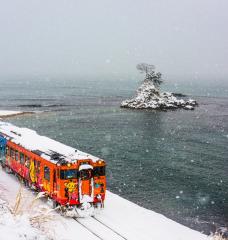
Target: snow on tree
[{"x": 150, "y": 74}]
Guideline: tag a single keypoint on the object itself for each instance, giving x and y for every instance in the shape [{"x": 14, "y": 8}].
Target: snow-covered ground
[
  {"x": 7, "y": 113},
  {"x": 120, "y": 219},
  {"x": 16, "y": 227}
]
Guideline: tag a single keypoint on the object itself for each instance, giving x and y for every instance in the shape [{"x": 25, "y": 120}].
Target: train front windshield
[
  {"x": 85, "y": 174},
  {"x": 68, "y": 174}
]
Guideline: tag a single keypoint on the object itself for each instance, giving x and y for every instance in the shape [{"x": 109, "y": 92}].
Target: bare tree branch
[{"x": 151, "y": 75}]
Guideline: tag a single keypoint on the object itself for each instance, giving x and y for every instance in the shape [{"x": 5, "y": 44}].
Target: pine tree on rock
[{"x": 150, "y": 74}]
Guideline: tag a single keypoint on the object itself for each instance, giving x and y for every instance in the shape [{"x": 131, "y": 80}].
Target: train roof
[{"x": 45, "y": 147}]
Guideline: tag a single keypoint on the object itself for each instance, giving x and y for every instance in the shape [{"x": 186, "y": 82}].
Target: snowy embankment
[
  {"x": 8, "y": 113},
  {"x": 16, "y": 227},
  {"x": 120, "y": 219},
  {"x": 150, "y": 97}
]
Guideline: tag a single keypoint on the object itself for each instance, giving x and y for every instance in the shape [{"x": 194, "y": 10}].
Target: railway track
[
  {"x": 110, "y": 228},
  {"x": 99, "y": 229},
  {"x": 91, "y": 231}
]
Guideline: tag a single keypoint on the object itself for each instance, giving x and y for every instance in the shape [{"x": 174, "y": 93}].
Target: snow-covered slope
[
  {"x": 150, "y": 97},
  {"x": 17, "y": 227},
  {"x": 120, "y": 219},
  {"x": 7, "y": 113}
]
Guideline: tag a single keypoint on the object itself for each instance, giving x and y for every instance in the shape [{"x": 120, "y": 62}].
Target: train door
[
  {"x": 86, "y": 190},
  {"x": 38, "y": 175},
  {"x": 32, "y": 171},
  {"x": 54, "y": 180}
]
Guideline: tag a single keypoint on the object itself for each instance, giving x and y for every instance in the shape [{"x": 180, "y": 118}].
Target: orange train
[{"x": 72, "y": 179}]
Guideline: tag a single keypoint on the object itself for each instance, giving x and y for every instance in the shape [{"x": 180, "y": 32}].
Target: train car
[{"x": 73, "y": 180}]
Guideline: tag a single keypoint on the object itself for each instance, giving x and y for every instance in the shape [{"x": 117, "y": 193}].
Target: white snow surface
[
  {"x": 150, "y": 97},
  {"x": 7, "y": 113},
  {"x": 17, "y": 227},
  {"x": 32, "y": 141},
  {"x": 124, "y": 217},
  {"x": 85, "y": 166}
]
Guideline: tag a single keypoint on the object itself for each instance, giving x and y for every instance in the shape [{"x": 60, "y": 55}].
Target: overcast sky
[{"x": 109, "y": 37}]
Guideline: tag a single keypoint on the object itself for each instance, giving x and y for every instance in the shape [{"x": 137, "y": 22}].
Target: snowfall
[{"x": 26, "y": 216}]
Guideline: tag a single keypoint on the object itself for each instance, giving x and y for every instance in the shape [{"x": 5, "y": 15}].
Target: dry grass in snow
[{"x": 31, "y": 214}]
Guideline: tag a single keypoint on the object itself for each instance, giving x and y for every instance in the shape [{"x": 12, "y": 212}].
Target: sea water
[{"x": 172, "y": 162}]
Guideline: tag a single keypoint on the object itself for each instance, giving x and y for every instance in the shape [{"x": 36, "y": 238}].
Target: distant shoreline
[{"x": 6, "y": 114}]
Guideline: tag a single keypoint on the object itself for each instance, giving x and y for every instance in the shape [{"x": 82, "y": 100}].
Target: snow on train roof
[{"x": 47, "y": 148}]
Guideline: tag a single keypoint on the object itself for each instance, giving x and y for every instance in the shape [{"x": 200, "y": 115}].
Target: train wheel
[
  {"x": 8, "y": 170},
  {"x": 29, "y": 184},
  {"x": 62, "y": 211},
  {"x": 25, "y": 182},
  {"x": 19, "y": 177},
  {"x": 54, "y": 204},
  {"x": 3, "y": 164}
]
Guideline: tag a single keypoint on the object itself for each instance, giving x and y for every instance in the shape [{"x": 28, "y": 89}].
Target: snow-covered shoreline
[
  {"x": 125, "y": 217},
  {"x": 17, "y": 227},
  {"x": 9, "y": 113},
  {"x": 149, "y": 97}
]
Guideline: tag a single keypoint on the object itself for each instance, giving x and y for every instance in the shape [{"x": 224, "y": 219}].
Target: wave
[{"x": 43, "y": 105}]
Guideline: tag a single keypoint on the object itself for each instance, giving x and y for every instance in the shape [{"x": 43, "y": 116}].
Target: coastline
[
  {"x": 125, "y": 215},
  {"x": 9, "y": 113},
  {"x": 127, "y": 218}
]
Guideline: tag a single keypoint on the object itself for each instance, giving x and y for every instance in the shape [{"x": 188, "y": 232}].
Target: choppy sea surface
[{"x": 173, "y": 162}]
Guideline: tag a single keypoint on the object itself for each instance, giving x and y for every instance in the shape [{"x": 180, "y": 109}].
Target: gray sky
[{"x": 109, "y": 37}]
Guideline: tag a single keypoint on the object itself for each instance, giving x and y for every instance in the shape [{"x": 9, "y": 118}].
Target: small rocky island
[{"x": 149, "y": 96}]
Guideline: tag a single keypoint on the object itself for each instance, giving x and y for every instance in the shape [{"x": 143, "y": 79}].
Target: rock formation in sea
[{"x": 149, "y": 96}]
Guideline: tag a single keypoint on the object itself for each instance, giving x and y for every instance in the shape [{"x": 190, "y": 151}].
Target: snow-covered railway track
[
  {"x": 110, "y": 228},
  {"x": 95, "y": 234},
  {"x": 99, "y": 229}
]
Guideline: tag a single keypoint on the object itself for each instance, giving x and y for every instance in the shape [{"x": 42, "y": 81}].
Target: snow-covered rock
[{"x": 150, "y": 97}]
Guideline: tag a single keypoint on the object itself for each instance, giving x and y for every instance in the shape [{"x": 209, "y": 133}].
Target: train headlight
[
  {"x": 68, "y": 164},
  {"x": 99, "y": 162}
]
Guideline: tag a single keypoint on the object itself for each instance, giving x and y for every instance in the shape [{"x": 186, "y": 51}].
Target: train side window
[
  {"x": 27, "y": 161},
  {"x": 35, "y": 163},
  {"x": 47, "y": 173},
  {"x": 16, "y": 155},
  {"x": 7, "y": 150},
  {"x": 38, "y": 166},
  {"x": 68, "y": 174},
  {"x": 12, "y": 153},
  {"x": 54, "y": 176},
  {"x": 22, "y": 158}
]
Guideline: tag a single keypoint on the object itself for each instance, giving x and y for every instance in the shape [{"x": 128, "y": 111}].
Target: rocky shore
[{"x": 150, "y": 97}]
